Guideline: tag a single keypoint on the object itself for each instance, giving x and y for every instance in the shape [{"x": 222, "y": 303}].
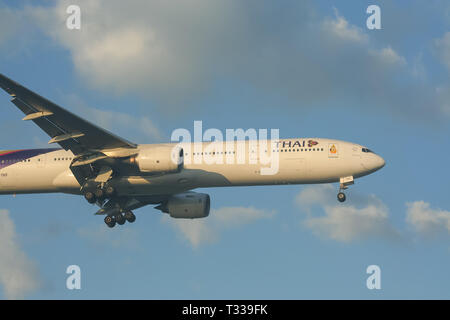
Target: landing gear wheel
[
  {"x": 120, "y": 219},
  {"x": 110, "y": 221},
  {"x": 341, "y": 197},
  {"x": 130, "y": 216},
  {"x": 99, "y": 193},
  {"x": 90, "y": 197},
  {"x": 110, "y": 191}
]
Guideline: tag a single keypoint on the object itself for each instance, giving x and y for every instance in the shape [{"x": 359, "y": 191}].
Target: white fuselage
[{"x": 206, "y": 164}]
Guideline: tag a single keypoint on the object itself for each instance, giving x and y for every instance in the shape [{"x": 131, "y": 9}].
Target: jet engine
[
  {"x": 189, "y": 205},
  {"x": 160, "y": 159}
]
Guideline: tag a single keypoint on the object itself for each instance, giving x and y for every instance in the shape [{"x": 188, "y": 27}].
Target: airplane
[{"x": 120, "y": 176}]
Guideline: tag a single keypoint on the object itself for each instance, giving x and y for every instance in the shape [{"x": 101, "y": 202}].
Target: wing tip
[{"x": 7, "y": 84}]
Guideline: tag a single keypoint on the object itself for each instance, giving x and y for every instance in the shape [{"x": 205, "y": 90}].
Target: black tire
[
  {"x": 110, "y": 191},
  {"x": 90, "y": 197},
  {"x": 110, "y": 221},
  {"x": 130, "y": 217},
  {"x": 99, "y": 193},
  {"x": 120, "y": 219},
  {"x": 341, "y": 197}
]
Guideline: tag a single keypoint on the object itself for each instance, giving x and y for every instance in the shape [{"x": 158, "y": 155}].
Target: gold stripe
[{"x": 6, "y": 151}]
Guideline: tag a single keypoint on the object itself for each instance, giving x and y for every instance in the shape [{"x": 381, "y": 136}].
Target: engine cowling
[
  {"x": 160, "y": 159},
  {"x": 189, "y": 205}
]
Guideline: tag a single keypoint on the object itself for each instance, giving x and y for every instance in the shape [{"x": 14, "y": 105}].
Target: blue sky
[{"x": 311, "y": 69}]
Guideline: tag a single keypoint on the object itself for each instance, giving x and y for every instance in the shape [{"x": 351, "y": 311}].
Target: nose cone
[
  {"x": 380, "y": 162},
  {"x": 373, "y": 162},
  {"x": 376, "y": 163}
]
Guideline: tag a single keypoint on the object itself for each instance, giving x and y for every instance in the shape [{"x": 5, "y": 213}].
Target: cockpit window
[{"x": 367, "y": 150}]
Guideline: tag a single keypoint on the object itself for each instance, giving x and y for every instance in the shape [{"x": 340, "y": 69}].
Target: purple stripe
[{"x": 20, "y": 155}]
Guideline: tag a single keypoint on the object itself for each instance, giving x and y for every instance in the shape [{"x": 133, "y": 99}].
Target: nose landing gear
[
  {"x": 341, "y": 197},
  {"x": 344, "y": 183}
]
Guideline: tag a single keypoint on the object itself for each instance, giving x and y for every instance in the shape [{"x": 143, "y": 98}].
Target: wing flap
[{"x": 36, "y": 115}]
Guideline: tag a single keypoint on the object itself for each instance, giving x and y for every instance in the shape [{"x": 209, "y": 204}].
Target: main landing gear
[
  {"x": 93, "y": 195},
  {"x": 120, "y": 219},
  {"x": 344, "y": 183},
  {"x": 90, "y": 197},
  {"x": 106, "y": 197},
  {"x": 101, "y": 190},
  {"x": 110, "y": 221}
]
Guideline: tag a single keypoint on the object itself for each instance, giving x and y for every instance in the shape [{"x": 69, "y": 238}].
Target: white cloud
[
  {"x": 348, "y": 223},
  {"x": 443, "y": 49},
  {"x": 174, "y": 51},
  {"x": 196, "y": 232},
  {"x": 389, "y": 56},
  {"x": 135, "y": 46},
  {"x": 426, "y": 220},
  {"x": 135, "y": 125},
  {"x": 205, "y": 231},
  {"x": 360, "y": 217},
  {"x": 18, "y": 274},
  {"x": 340, "y": 28}
]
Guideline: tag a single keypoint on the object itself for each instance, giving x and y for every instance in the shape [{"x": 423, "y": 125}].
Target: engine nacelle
[
  {"x": 189, "y": 205},
  {"x": 160, "y": 159}
]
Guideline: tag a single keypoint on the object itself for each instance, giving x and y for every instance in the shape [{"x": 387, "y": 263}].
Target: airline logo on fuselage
[{"x": 297, "y": 143}]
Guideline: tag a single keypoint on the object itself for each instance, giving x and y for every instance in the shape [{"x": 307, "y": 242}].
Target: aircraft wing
[{"x": 68, "y": 130}]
